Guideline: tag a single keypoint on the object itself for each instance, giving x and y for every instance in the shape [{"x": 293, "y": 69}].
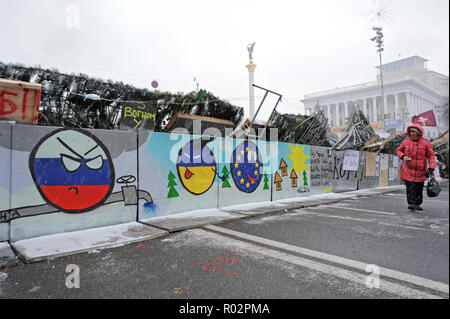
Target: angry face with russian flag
[{"x": 72, "y": 170}]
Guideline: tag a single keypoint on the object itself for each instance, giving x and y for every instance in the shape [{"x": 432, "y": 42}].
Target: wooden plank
[
  {"x": 372, "y": 140},
  {"x": 378, "y": 144},
  {"x": 179, "y": 115},
  {"x": 439, "y": 141},
  {"x": 19, "y": 84},
  {"x": 340, "y": 141}
]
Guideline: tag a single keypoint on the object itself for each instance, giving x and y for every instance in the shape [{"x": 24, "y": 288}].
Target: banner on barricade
[
  {"x": 138, "y": 115},
  {"x": 351, "y": 160}
]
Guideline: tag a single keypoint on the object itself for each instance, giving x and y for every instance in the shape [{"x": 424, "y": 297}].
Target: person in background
[{"x": 414, "y": 153}]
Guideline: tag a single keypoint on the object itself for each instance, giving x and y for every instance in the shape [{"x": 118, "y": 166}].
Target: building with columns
[{"x": 409, "y": 89}]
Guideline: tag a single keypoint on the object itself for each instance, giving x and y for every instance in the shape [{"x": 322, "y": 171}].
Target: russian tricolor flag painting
[{"x": 72, "y": 170}]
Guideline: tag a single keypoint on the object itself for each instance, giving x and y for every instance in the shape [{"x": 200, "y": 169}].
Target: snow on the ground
[{"x": 212, "y": 212}]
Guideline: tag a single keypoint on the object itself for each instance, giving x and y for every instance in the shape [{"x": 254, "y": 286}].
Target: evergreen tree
[
  {"x": 225, "y": 173},
  {"x": 305, "y": 178},
  {"x": 172, "y": 183},
  {"x": 266, "y": 182},
  {"x": 63, "y": 101}
]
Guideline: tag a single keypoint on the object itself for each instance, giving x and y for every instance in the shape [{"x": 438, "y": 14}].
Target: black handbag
[{"x": 433, "y": 188}]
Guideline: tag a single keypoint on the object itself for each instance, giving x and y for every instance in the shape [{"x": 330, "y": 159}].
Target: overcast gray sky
[{"x": 301, "y": 46}]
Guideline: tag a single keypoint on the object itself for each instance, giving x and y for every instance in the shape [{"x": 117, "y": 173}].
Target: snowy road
[{"x": 366, "y": 247}]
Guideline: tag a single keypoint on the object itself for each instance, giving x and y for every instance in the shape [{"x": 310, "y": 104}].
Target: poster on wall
[
  {"x": 384, "y": 172},
  {"x": 396, "y": 161},
  {"x": 351, "y": 160},
  {"x": 383, "y": 178},
  {"x": 377, "y": 166},
  {"x": 384, "y": 162},
  {"x": 371, "y": 163},
  {"x": 393, "y": 173}
]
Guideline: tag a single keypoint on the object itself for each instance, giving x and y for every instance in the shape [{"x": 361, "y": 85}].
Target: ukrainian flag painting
[{"x": 72, "y": 170}]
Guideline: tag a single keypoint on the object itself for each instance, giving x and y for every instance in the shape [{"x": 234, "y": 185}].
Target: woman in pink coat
[{"x": 414, "y": 153}]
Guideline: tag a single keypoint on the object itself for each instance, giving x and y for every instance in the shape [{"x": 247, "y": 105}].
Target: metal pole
[
  {"x": 260, "y": 87},
  {"x": 267, "y": 91},
  {"x": 403, "y": 122},
  {"x": 382, "y": 91},
  {"x": 256, "y": 114},
  {"x": 271, "y": 114}
]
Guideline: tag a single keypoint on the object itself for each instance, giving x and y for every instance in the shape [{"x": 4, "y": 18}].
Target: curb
[
  {"x": 89, "y": 240},
  {"x": 153, "y": 229}
]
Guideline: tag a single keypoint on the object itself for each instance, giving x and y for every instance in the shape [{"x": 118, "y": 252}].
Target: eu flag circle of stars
[{"x": 246, "y": 167}]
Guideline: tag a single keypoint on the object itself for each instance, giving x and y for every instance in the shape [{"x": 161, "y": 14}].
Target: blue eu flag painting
[{"x": 246, "y": 167}]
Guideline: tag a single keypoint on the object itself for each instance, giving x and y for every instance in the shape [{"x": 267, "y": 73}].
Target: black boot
[
  {"x": 417, "y": 207},
  {"x": 411, "y": 207}
]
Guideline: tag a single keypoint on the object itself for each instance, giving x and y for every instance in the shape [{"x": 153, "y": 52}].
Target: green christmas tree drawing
[
  {"x": 172, "y": 183},
  {"x": 225, "y": 173},
  {"x": 305, "y": 178},
  {"x": 266, "y": 181}
]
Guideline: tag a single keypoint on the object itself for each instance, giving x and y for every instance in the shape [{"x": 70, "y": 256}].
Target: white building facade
[{"x": 409, "y": 89}]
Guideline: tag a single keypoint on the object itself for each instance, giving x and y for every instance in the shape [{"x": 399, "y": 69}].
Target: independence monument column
[{"x": 251, "y": 69}]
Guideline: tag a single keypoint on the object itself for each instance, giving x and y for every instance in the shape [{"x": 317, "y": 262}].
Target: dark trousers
[{"x": 414, "y": 192}]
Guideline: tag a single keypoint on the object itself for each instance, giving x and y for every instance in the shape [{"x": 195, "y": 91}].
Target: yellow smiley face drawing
[{"x": 196, "y": 167}]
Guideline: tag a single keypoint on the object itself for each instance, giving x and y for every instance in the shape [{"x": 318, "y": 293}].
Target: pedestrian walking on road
[{"x": 414, "y": 153}]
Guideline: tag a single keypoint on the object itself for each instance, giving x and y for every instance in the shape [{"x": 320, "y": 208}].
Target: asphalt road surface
[{"x": 366, "y": 247}]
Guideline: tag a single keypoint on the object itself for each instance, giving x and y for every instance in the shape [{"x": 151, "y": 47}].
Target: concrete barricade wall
[
  {"x": 246, "y": 167},
  {"x": 70, "y": 179},
  {"x": 179, "y": 171},
  {"x": 291, "y": 171},
  {"x": 5, "y": 178},
  {"x": 56, "y": 180},
  {"x": 367, "y": 172},
  {"x": 383, "y": 160},
  {"x": 343, "y": 180},
  {"x": 394, "y": 170},
  {"x": 322, "y": 168}
]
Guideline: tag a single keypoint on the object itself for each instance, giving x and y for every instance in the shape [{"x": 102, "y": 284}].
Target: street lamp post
[
  {"x": 379, "y": 40},
  {"x": 403, "y": 120}
]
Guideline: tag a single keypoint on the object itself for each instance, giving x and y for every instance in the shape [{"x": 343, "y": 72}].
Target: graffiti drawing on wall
[
  {"x": 74, "y": 173},
  {"x": 283, "y": 168},
  {"x": 225, "y": 174},
  {"x": 321, "y": 169},
  {"x": 266, "y": 182},
  {"x": 138, "y": 115},
  {"x": 171, "y": 185},
  {"x": 277, "y": 181},
  {"x": 299, "y": 158},
  {"x": 292, "y": 174},
  {"x": 339, "y": 172},
  {"x": 246, "y": 167},
  {"x": 196, "y": 166},
  {"x": 294, "y": 178},
  {"x": 72, "y": 170}
]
